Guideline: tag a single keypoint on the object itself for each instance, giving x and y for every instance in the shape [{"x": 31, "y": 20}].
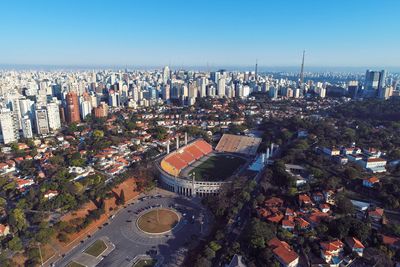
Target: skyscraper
[
  {"x": 8, "y": 133},
  {"x": 42, "y": 121},
  {"x": 352, "y": 89},
  {"x": 302, "y": 70},
  {"x": 165, "y": 91},
  {"x": 86, "y": 108},
  {"x": 72, "y": 109},
  {"x": 374, "y": 81},
  {"x": 113, "y": 99},
  {"x": 26, "y": 127},
  {"x": 53, "y": 114},
  {"x": 385, "y": 92},
  {"x": 221, "y": 87},
  {"x": 166, "y": 74}
]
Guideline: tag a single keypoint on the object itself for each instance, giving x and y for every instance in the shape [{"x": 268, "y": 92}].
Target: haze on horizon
[{"x": 340, "y": 33}]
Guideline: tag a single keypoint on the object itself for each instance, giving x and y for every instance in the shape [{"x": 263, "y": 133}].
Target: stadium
[{"x": 197, "y": 169}]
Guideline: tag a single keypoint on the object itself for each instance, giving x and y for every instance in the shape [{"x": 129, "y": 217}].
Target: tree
[
  {"x": 3, "y": 203},
  {"x": 15, "y": 244},
  {"x": 44, "y": 234},
  {"x": 258, "y": 233},
  {"x": 203, "y": 262},
  {"x": 351, "y": 173},
  {"x": 209, "y": 253},
  {"x": 98, "y": 134},
  {"x": 245, "y": 196},
  {"x": 122, "y": 197},
  {"x": 214, "y": 246},
  {"x": 344, "y": 205},
  {"x": 18, "y": 220}
]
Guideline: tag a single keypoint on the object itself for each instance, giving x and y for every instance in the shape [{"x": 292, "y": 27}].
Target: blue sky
[{"x": 354, "y": 33}]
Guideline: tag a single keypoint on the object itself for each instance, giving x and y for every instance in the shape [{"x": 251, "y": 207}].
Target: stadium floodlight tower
[
  {"x": 193, "y": 184},
  {"x": 186, "y": 138}
]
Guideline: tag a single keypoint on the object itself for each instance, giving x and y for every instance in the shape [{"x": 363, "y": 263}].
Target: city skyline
[{"x": 221, "y": 34}]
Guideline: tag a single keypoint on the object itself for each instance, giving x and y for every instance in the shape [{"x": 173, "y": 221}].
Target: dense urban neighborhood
[{"x": 185, "y": 168}]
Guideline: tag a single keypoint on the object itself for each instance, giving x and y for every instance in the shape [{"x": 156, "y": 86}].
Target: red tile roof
[
  {"x": 391, "y": 241},
  {"x": 285, "y": 255},
  {"x": 354, "y": 242},
  {"x": 305, "y": 199},
  {"x": 288, "y": 223},
  {"x": 332, "y": 245},
  {"x": 2, "y": 228},
  {"x": 378, "y": 212},
  {"x": 373, "y": 179},
  {"x": 275, "y": 218},
  {"x": 302, "y": 223}
]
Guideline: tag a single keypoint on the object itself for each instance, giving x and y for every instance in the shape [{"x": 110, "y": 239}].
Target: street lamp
[{"x": 40, "y": 253}]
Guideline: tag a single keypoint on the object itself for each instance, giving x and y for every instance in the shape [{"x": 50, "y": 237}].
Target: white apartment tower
[
  {"x": 202, "y": 83},
  {"x": 166, "y": 74},
  {"x": 221, "y": 87},
  {"x": 8, "y": 133},
  {"x": 86, "y": 108},
  {"x": 53, "y": 114}
]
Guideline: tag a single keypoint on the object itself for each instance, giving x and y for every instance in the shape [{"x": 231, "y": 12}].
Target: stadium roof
[{"x": 238, "y": 144}]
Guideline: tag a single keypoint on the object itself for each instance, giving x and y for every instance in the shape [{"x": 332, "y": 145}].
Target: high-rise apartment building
[
  {"x": 53, "y": 114},
  {"x": 86, "y": 108},
  {"x": 72, "y": 108},
  {"x": 26, "y": 127},
  {"x": 42, "y": 121},
  {"x": 221, "y": 87},
  {"x": 101, "y": 111},
  {"x": 166, "y": 74},
  {"x": 8, "y": 133}
]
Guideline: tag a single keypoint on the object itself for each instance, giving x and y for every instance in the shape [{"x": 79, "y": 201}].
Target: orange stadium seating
[
  {"x": 195, "y": 152},
  {"x": 178, "y": 160},
  {"x": 204, "y": 146}
]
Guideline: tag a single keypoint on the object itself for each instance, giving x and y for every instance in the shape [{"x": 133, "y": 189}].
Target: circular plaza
[{"x": 158, "y": 221}]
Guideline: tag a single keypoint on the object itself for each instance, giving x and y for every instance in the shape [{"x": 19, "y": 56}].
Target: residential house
[
  {"x": 374, "y": 165},
  {"x": 370, "y": 182},
  {"x": 355, "y": 245},
  {"x": 288, "y": 224},
  {"x": 50, "y": 194},
  {"x": 333, "y": 151},
  {"x": 4, "y": 230},
  {"x": 304, "y": 200},
  {"x": 23, "y": 183},
  {"x": 325, "y": 208},
  {"x": 284, "y": 253},
  {"x": 393, "y": 242},
  {"x": 332, "y": 252},
  {"x": 376, "y": 217}
]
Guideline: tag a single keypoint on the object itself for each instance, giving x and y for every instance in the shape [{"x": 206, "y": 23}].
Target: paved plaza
[{"x": 129, "y": 241}]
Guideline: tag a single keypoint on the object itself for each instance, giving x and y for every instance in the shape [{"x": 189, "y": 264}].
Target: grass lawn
[
  {"x": 217, "y": 168},
  {"x": 74, "y": 264},
  {"x": 150, "y": 222},
  {"x": 145, "y": 263},
  {"x": 96, "y": 248}
]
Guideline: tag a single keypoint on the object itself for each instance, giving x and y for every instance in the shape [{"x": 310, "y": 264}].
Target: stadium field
[{"x": 217, "y": 168}]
